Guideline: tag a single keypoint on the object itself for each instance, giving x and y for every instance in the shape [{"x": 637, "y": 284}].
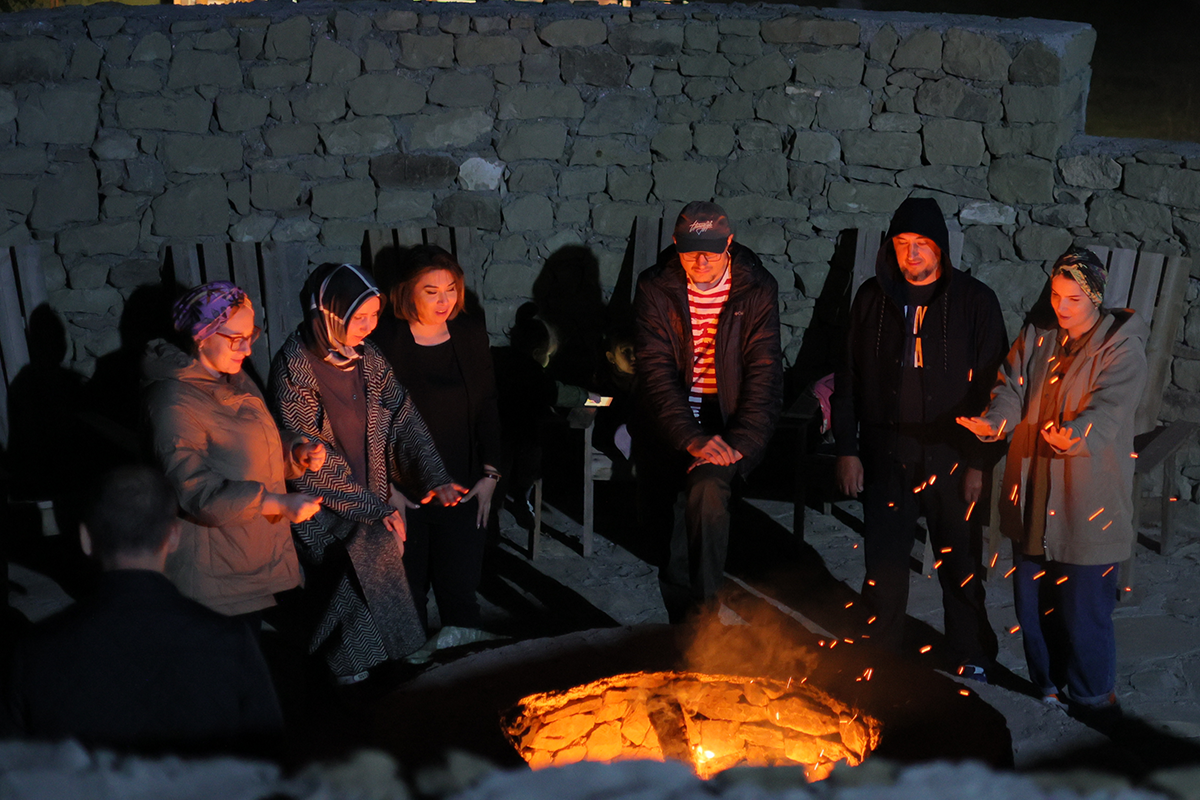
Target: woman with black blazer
[{"x": 441, "y": 357}]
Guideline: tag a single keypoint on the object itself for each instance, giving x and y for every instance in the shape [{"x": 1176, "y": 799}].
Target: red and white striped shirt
[{"x": 704, "y": 306}]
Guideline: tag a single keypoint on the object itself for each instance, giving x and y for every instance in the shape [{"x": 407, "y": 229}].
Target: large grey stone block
[
  {"x": 109, "y": 237},
  {"x": 470, "y": 210},
  {"x": 883, "y": 45},
  {"x": 593, "y": 68},
  {"x": 384, "y": 94},
  {"x": 450, "y": 128},
  {"x": 865, "y": 198},
  {"x": 796, "y": 109},
  {"x": 289, "y": 40},
  {"x": 574, "y": 33},
  {"x": 709, "y": 65},
  {"x": 397, "y": 205},
  {"x": 1036, "y": 103},
  {"x": 16, "y": 195},
  {"x": 274, "y": 191},
  {"x": 239, "y": 111},
  {"x": 756, "y": 172},
  {"x": 461, "y": 90},
  {"x": 974, "y": 56},
  {"x": 195, "y": 208},
  {"x": 292, "y": 139},
  {"x": 278, "y": 76},
  {"x": 532, "y": 102},
  {"x": 844, "y": 109},
  {"x": 532, "y": 177},
  {"x": 185, "y": 114},
  {"x": 295, "y": 228},
  {"x": 950, "y": 97},
  {"x": 807, "y": 180},
  {"x": 8, "y": 106},
  {"x": 807, "y": 30},
  {"x": 154, "y": 46},
  {"x": 318, "y": 103},
  {"x": 765, "y": 239},
  {"x": 886, "y": 150},
  {"x": 483, "y": 51},
  {"x": 684, "y": 180},
  {"x": 893, "y": 122},
  {"x": 618, "y": 113},
  {"x": 1115, "y": 214},
  {"x": 629, "y": 185},
  {"x": 666, "y": 84},
  {"x": 198, "y": 155},
  {"x": 920, "y": 50},
  {"x": 1036, "y": 63},
  {"x": 250, "y": 46},
  {"x": 953, "y": 141},
  {"x": 477, "y": 174},
  {"x": 144, "y": 175},
  {"x": 731, "y": 107},
  {"x": 377, "y": 57},
  {"x": 660, "y": 38},
  {"x": 1061, "y": 215},
  {"x": 528, "y": 213},
  {"x": 582, "y": 181},
  {"x": 715, "y": 141},
  {"x": 350, "y": 27},
  {"x": 61, "y": 115},
  {"x": 540, "y": 68},
  {"x": 344, "y": 199},
  {"x": 68, "y": 194},
  {"x": 199, "y": 68},
  {"x": 616, "y": 219},
  {"x": 986, "y": 244},
  {"x": 533, "y": 140},
  {"x": 136, "y": 79},
  {"x": 361, "y": 136},
  {"x": 1042, "y": 242},
  {"x": 815, "y": 146},
  {"x": 984, "y": 213},
  {"x": 422, "y": 52},
  {"x": 1091, "y": 172},
  {"x": 85, "y": 62},
  {"x": 134, "y": 272},
  {"x": 505, "y": 280},
  {"x": 255, "y": 228},
  {"x": 401, "y": 170},
  {"x": 333, "y": 63},
  {"x": 1177, "y": 188},
  {"x": 396, "y": 20},
  {"x": 30, "y": 60},
  {"x": 1021, "y": 179},
  {"x": 759, "y": 136},
  {"x": 763, "y": 73},
  {"x": 606, "y": 151},
  {"x": 830, "y": 67},
  {"x": 941, "y": 179},
  {"x": 700, "y": 37}
]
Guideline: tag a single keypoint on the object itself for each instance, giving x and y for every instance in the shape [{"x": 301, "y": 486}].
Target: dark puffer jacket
[
  {"x": 749, "y": 362},
  {"x": 963, "y": 341}
]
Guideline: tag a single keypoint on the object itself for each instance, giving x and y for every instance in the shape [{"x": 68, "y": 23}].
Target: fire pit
[{"x": 709, "y": 722}]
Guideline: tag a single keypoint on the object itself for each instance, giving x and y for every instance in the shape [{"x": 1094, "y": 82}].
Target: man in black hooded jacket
[
  {"x": 708, "y": 389},
  {"x": 924, "y": 345}
]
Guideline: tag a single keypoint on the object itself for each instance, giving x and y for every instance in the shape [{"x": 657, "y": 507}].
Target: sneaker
[
  {"x": 1053, "y": 701},
  {"x": 973, "y": 673}
]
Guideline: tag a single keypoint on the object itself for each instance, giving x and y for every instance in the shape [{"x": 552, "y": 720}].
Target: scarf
[
  {"x": 1084, "y": 267},
  {"x": 331, "y": 295},
  {"x": 204, "y": 309}
]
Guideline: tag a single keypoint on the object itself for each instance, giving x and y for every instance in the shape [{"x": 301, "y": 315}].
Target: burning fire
[{"x": 709, "y": 722}]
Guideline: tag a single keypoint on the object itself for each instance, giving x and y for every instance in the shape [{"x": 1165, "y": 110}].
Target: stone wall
[{"x": 122, "y": 129}]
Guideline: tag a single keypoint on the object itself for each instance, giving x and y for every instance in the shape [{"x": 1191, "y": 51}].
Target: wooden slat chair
[
  {"x": 271, "y": 273},
  {"x": 462, "y": 243},
  {"x": 1154, "y": 286}
]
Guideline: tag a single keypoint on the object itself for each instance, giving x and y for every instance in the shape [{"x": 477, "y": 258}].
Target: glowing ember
[{"x": 709, "y": 722}]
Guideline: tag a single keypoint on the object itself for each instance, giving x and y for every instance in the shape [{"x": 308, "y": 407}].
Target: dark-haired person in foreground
[
  {"x": 136, "y": 665},
  {"x": 709, "y": 389}
]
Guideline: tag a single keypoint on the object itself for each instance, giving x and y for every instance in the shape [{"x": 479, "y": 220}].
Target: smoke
[{"x": 764, "y": 647}]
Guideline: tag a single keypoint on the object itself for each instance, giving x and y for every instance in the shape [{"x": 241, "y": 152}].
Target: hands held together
[{"x": 714, "y": 450}]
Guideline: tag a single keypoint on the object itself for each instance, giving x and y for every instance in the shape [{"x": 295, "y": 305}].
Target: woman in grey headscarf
[
  {"x": 330, "y": 384},
  {"x": 1067, "y": 394}
]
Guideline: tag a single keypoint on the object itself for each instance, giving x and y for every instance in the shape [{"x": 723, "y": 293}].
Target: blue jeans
[{"x": 1067, "y": 627}]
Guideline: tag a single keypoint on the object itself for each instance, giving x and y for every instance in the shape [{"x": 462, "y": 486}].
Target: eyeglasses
[{"x": 237, "y": 342}]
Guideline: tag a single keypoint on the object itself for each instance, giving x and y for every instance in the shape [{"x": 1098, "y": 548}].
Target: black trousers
[
  {"x": 444, "y": 550},
  {"x": 890, "y": 511},
  {"x": 687, "y": 514}
]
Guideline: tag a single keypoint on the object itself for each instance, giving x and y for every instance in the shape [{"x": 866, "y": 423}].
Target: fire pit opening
[{"x": 709, "y": 722}]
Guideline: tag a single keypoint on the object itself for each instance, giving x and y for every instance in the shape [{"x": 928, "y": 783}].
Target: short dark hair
[
  {"x": 130, "y": 510},
  {"x": 530, "y": 334},
  {"x": 419, "y": 260}
]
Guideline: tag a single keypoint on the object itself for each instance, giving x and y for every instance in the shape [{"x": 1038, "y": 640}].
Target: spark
[
  {"x": 871, "y": 582},
  {"x": 1088, "y": 429},
  {"x": 921, "y": 487},
  {"x": 1039, "y": 575},
  {"x": 937, "y": 563},
  {"x": 1051, "y": 512},
  {"x": 833, "y": 644},
  {"x": 1047, "y": 612},
  {"x": 1013, "y": 496},
  {"x": 946, "y": 550},
  {"x": 789, "y": 684},
  {"x": 963, "y": 585},
  {"x": 855, "y": 547},
  {"x": 970, "y": 375},
  {"x": 1133, "y": 455},
  {"x": 964, "y": 692},
  {"x": 926, "y": 648},
  {"x": 1014, "y": 629},
  {"x": 932, "y": 480},
  {"x": 849, "y": 604},
  {"x": 954, "y": 468},
  {"x": 871, "y": 621},
  {"x": 1003, "y": 422},
  {"x": 1105, "y": 575},
  {"x": 1053, "y": 379},
  {"x": 848, "y": 641},
  {"x": 1129, "y": 588},
  {"x": 1174, "y": 499},
  {"x": 1096, "y": 513},
  {"x": 970, "y": 508},
  {"x": 1010, "y": 571},
  {"x": 1048, "y": 425},
  {"x": 1020, "y": 380},
  {"x": 891, "y": 505},
  {"x": 1061, "y": 581},
  {"x": 820, "y": 643},
  {"x": 870, "y": 671},
  {"x": 1050, "y": 360},
  {"x": 1040, "y": 338},
  {"x": 995, "y": 558},
  {"x": 1110, "y": 522}
]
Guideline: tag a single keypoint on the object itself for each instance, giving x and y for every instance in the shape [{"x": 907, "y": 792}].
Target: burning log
[{"x": 710, "y": 722}]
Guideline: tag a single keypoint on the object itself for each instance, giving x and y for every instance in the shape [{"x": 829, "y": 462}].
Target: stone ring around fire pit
[{"x": 709, "y": 722}]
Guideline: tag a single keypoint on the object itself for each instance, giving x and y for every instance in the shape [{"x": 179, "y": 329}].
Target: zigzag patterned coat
[{"x": 357, "y": 627}]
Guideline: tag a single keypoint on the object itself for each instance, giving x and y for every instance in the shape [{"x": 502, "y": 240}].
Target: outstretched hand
[
  {"x": 482, "y": 491},
  {"x": 982, "y": 428},
  {"x": 448, "y": 494},
  {"x": 1060, "y": 438}
]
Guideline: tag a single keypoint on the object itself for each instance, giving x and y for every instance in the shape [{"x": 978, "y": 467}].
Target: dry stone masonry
[{"x": 122, "y": 129}]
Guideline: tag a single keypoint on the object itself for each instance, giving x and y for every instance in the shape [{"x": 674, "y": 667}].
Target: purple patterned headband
[{"x": 203, "y": 309}]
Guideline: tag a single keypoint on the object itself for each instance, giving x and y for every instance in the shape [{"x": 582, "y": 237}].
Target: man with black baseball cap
[
  {"x": 924, "y": 346},
  {"x": 709, "y": 390}
]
